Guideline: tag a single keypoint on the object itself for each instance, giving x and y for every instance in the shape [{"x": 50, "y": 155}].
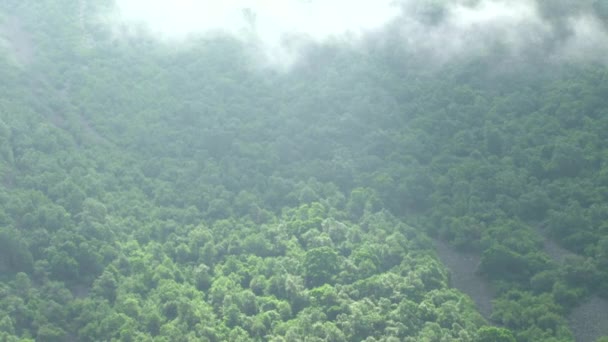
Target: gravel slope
[{"x": 462, "y": 270}]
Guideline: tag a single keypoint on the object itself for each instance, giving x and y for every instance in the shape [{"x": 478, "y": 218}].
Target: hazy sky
[
  {"x": 272, "y": 25},
  {"x": 461, "y": 30},
  {"x": 315, "y": 18}
]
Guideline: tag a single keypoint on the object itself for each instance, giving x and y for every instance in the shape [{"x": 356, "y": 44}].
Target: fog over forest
[
  {"x": 304, "y": 170},
  {"x": 440, "y": 30}
]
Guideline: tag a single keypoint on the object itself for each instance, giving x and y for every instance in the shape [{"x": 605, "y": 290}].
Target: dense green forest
[{"x": 154, "y": 193}]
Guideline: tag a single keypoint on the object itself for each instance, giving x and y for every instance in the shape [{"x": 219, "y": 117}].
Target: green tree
[
  {"x": 15, "y": 254},
  {"x": 50, "y": 333},
  {"x": 320, "y": 266},
  {"x": 106, "y": 286},
  {"x": 494, "y": 334}
]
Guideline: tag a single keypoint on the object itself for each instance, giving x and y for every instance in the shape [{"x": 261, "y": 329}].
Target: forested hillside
[{"x": 154, "y": 192}]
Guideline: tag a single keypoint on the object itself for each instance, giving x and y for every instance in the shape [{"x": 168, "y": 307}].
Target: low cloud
[
  {"x": 587, "y": 41},
  {"x": 514, "y": 29},
  {"x": 460, "y": 30},
  {"x": 279, "y": 27},
  {"x": 435, "y": 30}
]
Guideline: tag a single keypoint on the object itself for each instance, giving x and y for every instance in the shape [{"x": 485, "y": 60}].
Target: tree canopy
[{"x": 149, "y": 193}]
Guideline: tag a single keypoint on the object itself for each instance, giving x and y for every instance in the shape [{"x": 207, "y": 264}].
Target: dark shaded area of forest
[{"x": 158, "y": 194}]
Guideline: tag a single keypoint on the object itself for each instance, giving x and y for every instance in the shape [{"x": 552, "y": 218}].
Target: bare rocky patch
[
  {"x": 589, "y": 321},
  {"x": 462, "y": 268},
  {"x": 556, "y": 252}
]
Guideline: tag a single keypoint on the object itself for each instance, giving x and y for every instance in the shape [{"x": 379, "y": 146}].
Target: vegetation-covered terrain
[{"x": 154, "y": 193}]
